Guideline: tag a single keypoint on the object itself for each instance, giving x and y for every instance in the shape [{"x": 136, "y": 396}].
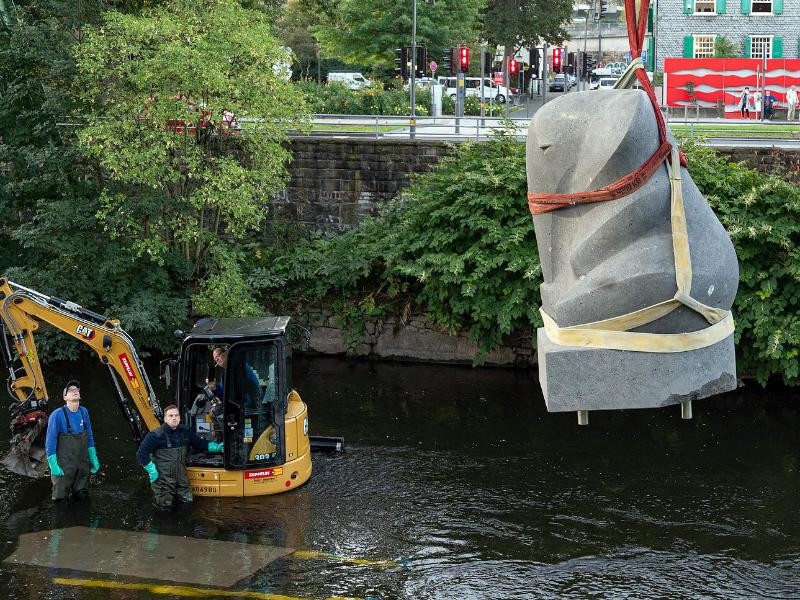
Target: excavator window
[{"x": 255, "y": 405}]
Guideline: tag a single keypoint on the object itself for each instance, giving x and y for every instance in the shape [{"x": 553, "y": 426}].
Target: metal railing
[{"x": 400, "y": 127}]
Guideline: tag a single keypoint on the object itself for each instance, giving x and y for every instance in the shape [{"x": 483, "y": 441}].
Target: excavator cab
[{"x": 246, "y": 400}]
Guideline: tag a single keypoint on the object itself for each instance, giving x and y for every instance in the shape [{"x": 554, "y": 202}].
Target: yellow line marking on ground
[
  {"x": 180, "y": 590},
  {"x": 314, "y": 554}
]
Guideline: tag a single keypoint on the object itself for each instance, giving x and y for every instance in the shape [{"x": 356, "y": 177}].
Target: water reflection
[{"x": 457, "y": 484}]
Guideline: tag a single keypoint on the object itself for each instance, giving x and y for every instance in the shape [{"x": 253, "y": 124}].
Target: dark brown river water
[{"x": 456, "y": 483}]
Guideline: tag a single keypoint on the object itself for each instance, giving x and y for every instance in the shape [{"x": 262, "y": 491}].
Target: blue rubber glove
[
  {"x": 152, "y": 471},
  {"x": 93, "y": 460},
  {"x": 215, "y": 447},
  {"x": 55, "y": 470}
]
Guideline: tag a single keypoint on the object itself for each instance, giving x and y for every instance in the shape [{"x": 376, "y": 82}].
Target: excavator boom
[{"x": 21, "y": 312}]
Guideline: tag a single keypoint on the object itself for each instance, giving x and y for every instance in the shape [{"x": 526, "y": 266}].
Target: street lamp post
[{"x": 413, "y": 120}]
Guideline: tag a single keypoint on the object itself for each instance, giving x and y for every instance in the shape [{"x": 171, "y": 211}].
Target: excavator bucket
[{"x": 25, "y": 458}]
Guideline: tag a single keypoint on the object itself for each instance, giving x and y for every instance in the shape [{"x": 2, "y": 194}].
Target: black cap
[{"x": 71, "y": 383}]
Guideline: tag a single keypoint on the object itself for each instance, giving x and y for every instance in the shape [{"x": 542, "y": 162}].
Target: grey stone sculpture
[{"x": 607, "y": 259}]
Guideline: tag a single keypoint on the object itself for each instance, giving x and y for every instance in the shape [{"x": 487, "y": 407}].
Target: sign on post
[{"x": 433, "y": 66}]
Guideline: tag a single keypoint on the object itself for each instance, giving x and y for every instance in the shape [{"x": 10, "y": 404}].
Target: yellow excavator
[{"x": 261, "y": 419}]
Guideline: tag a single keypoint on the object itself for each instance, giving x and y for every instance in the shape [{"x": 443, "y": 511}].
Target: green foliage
[
  {"x": 158, "y": 84},
  {"x": 49, "y": 195},
  {"x": 724, "y": 48},
  {"x": 337, "y": 99},
  {"x": 525, "y": 23},
  {"x": 225, "y": 290},
  {"x": 762, "y": 216},
  {"x": 368, "y": 31}
]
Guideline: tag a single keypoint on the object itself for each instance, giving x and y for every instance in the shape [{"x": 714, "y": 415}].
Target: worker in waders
[
  {"x": 70, "y": 446},
  {"x": 162, "y": 453}
]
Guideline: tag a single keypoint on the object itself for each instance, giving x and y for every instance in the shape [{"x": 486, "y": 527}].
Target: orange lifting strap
[{"x": 544, "y": 203}]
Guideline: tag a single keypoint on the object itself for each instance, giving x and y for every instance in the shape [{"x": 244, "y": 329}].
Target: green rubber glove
[
  {"x": 55, "y": 470},
  {"x": 215, "y": 447},
  {"x": 93, "y": 460},
  {"x": 151, "y": 470}
]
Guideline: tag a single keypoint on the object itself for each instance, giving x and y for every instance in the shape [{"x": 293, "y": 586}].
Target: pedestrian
[
  {"x": 162, "y": 454},
  {"x": 791, "y": 102},
  {"x": 69, "y": 445},
  {"x": 744, "y": 103},
  {"x": 769, "y": 105}
]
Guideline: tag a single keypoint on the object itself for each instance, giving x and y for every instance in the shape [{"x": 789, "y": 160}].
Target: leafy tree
[
  {"x": 161, "y": 87},
  {"x": 525, "y": 23},
  {"x": 724, "y": 48},
  {"x": 49, "y": 195},
  {"x": 368, "y": 31}
]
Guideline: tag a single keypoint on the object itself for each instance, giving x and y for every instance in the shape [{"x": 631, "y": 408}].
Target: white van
[
  {"x": 352, "y": 79},
  {"x": 472, "y": 87}
]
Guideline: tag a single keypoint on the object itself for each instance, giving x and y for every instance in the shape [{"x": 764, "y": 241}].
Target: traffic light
[
  {"x": 488, "y": 59},
  {"x": 463, "y": 59},
  {"x": 399, "y": 63},
  {"x": 513, "y": 66},
  {"x": 603, "y": 8},
  {"x": 556, "y": 60},
  {"x": 534, "y": 54},
  {"x": 422, "y": 60},
  {"x": 447, "y": 61}
]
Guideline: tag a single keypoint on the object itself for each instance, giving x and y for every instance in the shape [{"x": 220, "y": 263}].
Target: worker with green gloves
[
  {"x": 70, "y": 446},
  {"x": 162, "y": 454}
]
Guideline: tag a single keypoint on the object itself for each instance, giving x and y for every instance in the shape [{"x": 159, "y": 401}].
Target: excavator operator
[{"x": 168, "y": 446}]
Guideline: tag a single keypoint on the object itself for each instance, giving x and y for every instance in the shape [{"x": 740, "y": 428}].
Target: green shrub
[{"x": 762, "y": 216}]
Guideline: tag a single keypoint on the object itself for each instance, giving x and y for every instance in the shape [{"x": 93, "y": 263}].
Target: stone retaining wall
[
  {"x": 337, "y": 183},
  {"x": 413, "y": 340}
]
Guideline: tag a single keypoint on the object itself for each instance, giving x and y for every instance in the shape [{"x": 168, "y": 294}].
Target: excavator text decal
[
  {"x": 86, "y": 332},
  {"x": 263, "y": 473},
  {"x": 126, "y": 364}
]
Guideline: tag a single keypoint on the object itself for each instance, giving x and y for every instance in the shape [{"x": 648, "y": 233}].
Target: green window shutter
[
  {"x": 651, "y": 54},
  {"x": 745, "y": 8},
  {"x": 721, "y": 7},
  {"x": 747, "y": 43},
  {"x": 688, "y": 46},
  {"x": 777, "y": 47},
  {"x": 777, "y": 7},
  {"x": 688, "y": 6}
]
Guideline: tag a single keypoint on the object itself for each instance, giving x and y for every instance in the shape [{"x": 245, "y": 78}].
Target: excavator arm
[{"x": 21, "y": 312}]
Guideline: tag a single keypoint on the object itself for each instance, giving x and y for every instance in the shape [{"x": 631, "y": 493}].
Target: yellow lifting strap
[{"x": 614, "y": 333}]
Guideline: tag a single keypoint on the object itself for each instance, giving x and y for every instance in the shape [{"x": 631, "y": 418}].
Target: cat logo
[{"x": 86, "y": 332}]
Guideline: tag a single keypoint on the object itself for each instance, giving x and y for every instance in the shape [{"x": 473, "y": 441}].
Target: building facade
[{"x": 756, "y": 28}]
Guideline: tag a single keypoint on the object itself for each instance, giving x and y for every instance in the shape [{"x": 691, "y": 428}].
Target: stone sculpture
[{"x": 607, "y": 259}]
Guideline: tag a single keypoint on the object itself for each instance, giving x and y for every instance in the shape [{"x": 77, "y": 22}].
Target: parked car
[
  {"x": 353, "y": 80},
  {"x": 604, "y": 83},
  {"x": 472, "y": 87},
  {"x": 558, "y": 83}
]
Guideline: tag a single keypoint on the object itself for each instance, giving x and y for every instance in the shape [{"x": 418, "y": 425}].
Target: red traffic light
[
  {"x": 513, "y": 66},
  {"x": 556, "y": 60},
  {"x": 463, "y": 59}
]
